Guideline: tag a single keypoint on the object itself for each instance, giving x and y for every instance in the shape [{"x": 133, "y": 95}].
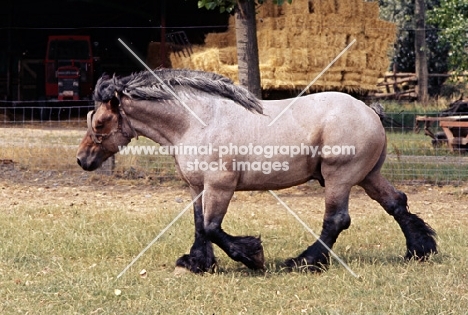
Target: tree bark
[
  {"x": 420, "y": 51},
  {"x": 247, "y": 46}
]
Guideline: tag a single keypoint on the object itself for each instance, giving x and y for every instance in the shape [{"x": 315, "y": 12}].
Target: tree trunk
[
  {"x": 420, "y": 51},
  {"x": 247, "y": 47}
]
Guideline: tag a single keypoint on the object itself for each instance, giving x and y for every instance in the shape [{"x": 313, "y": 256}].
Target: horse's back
[{"x": 338, "y": 114}]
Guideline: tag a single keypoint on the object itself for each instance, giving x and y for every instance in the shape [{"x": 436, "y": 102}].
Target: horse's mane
[{"x": 145, "y": 86}]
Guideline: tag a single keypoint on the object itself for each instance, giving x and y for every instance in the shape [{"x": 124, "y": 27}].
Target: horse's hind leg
[
  {"x": 420, "y": 237},
  {"x": 317, "y": 257},
  {"x": 201, "y": 257}
]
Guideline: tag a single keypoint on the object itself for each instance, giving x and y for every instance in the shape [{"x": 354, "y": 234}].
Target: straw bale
[
  {"x": 340, "y": 24},
  {"x": 266, "y": 72},
  {"x": 293, "y": 40},
  {"x": 266, "y": 10},
  {"x": 375, "y": 28},
  {"x": 314, "y": 24},
  {"x": 228, "y": 55},
  {"x": 362, "y": 41},
  {"x": 340, "y": 62},
  {"x": 297, "y": 7},
  {"x": 207, "y": 60},
  {"x": 264, "y": 56},
  {"x": 352, "y": 78},
  {"x": 269, "y": 58},
  {"x": 280, "y": 23},
  {"x": 232, "y": 22},
  {"x": 333, "y": 40},
  {"x": 350, "y": 8},
  {"x": 332, "y": 77},
  {"x": 264, "y": 39},
  {"x": 370, "y": 77},
  {"x": 297, "y": 58},
  {"x": 296, "y": 23},
  {"x": 318, "y": 59},
  {"x": 371, "y": 10},
  {"x": 230, "y": 71},
  {"x": 334, "y": 22},
  {"x": 376, "y": 62},
  {"x": 356, "y": 60},
  {"x": 295, "y": 31},
  {"x": 322, "y": 7},
  {"x": 180, "y": 63},
  {"x": 266, "y": 23},
  {"x": 300, "y": 79},
  {"x": 284, "y": 78},
  {"x": 219, "y": 40},
  {"x": 296, "y": 42}
]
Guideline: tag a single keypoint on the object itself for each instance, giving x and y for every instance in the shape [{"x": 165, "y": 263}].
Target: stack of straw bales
[{"x": 296, "y": 42}]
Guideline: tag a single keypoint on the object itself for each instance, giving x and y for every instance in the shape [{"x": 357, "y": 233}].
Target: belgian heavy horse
[{"x": 330, "y": 137}]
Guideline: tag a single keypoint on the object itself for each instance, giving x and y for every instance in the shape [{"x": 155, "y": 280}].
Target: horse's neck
[{"x": 164, "y": 122}]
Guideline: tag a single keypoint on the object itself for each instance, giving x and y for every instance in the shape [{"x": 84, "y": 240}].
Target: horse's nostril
[{"x": 78, "y": 161}]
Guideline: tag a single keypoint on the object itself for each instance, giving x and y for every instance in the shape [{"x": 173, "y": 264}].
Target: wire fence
[{"x": 31, "y": 143}]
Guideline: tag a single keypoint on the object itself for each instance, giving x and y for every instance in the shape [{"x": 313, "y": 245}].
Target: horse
[{"x": 239, "y": 151}]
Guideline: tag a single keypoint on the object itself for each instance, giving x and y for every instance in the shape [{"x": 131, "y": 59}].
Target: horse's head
[{"x": 108, "y": 129}]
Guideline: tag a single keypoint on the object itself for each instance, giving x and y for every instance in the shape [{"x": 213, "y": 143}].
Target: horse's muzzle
[{"x": 86, "y": 165}]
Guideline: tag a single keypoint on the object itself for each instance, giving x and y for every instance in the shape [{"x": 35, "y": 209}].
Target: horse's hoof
[
  {"x": 420, "y": 255},
  {"x": 195, "y": 265},
  {"x": 258, "y": 261},
  {"x": 422, "y": 252}
]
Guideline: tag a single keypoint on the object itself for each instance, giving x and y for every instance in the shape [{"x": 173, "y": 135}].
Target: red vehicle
[{"x": 69, "y": 67}]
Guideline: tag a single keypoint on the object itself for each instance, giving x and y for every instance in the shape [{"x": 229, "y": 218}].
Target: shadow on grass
[{"x": 277, "y": 266}]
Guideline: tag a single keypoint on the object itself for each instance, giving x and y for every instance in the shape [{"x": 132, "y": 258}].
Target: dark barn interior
[{"x": 26, "y": 25}]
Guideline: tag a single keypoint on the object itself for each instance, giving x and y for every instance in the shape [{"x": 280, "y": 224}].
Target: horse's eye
[{"x": 99, "y": 125}]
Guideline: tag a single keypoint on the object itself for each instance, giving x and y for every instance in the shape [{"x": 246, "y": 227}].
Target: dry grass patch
[{"x": 63, "y": 246}]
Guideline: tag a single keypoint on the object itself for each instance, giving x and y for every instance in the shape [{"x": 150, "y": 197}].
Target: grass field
[{"x": 63, "y": 246}]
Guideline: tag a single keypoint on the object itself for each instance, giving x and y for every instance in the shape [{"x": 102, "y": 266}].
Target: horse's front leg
[
  {"x": 245, "y": 249},
  {"x": 201, "y": 257}
]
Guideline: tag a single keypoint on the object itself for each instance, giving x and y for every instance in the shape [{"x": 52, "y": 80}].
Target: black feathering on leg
[
  {"x": 201, "y": 257},
  {"x": 245, "y": 249},
  {"x": 420, "y": 237}
]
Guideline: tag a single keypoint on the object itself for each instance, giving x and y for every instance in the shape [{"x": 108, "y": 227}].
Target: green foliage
[
  {"x": 223, "y": 5},
  {"x": 229, "y": 5},
  {"x": 452, "y": 18},
  {"x": 401, "y": 13}
]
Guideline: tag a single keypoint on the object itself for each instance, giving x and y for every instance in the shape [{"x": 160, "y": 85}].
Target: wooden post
[
  {"x": 420, "y": 51},
  {"x": 247, "y": 47},
  {"x": 163, "y": 34}
]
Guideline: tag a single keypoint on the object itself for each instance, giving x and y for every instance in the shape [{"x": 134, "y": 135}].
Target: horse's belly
[{"x": 265, "y": 175}]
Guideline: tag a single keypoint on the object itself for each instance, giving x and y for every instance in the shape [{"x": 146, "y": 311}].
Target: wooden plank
[
  {"x": 398, "y": 74},
  {"x": 410, "y": 79},
  {"x": 441, "y": 119},
  {"x": 455, "y": 124}
]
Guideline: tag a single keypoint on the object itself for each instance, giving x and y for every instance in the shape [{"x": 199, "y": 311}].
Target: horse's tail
[{"x": 379, "y": 110}]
